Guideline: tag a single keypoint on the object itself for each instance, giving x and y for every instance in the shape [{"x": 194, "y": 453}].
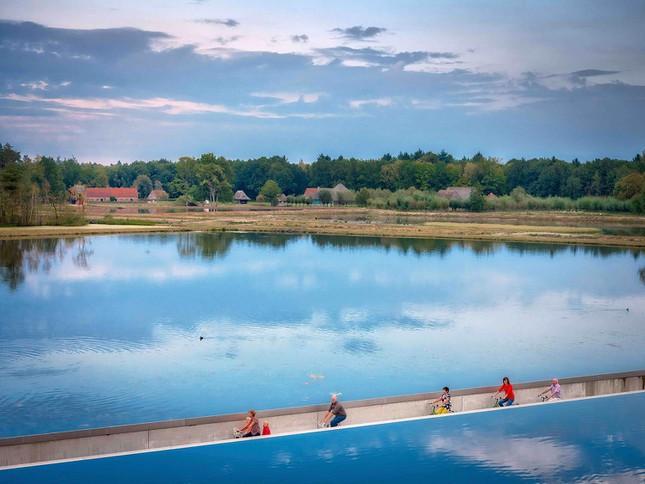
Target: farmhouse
[
  {"x": 339, "y": 193},
  {"x": 106, "y": 194},
  {"x": 313, "y": 194},
  {"x": 241, "y": 197}
]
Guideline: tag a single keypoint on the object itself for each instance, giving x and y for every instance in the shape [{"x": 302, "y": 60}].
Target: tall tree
[
  {"x": 143, "y": 184},
  {"x": 270, "y": 191},
  {"x": 212, "y": 177}
]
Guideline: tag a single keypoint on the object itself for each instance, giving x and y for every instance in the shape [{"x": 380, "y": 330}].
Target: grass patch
[{"x": 109, "y": 220}]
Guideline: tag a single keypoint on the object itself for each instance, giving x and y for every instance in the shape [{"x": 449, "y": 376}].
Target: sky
[{"x": 119, "y": 80}]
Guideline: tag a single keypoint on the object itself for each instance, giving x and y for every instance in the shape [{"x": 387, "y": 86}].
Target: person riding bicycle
[
  {"x": 551, "y": 393},
  {"x": 442, "y": 404},
  {"x": 507, "y": 390},
  {"x": 251, "y": 427},
  {"x": 336, "y": 413}
]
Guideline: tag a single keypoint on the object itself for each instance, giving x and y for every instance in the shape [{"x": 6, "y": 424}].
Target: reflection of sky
[
  {"x": 118, "y": 341},
  {"x": 565, "y": 442}
]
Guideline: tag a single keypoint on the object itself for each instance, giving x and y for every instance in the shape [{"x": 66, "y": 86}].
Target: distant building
[
  {"x": 241, "y": 197},
  {"x": 313, "y": 195},
  {"x": 456, "y": 193},
  {"x": 338, "y": 194},
  {"x": 341, "y": 194},
  {"x": 491, "y": 196},
  {"x": 157, "y": 195},
  {"x": 107, "y": 194},
  {"x": 282, "y": 199}
]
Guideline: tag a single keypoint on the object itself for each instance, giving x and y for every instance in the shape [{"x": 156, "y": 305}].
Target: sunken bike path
[{"x": 100, "y": 442}]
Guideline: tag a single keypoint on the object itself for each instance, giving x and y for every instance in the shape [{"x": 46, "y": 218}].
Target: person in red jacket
[
  {"x": 266, "y": 430},
  {"x": 507, "y": 390}
]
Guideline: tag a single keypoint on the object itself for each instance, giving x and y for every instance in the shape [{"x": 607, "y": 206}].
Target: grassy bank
[
  {"x": 109, "y": 220},
  {"x": 587, "y": 228}
]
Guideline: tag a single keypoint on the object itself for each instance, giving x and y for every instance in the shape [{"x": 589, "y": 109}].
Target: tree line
[{"x": 25, "y": 182}]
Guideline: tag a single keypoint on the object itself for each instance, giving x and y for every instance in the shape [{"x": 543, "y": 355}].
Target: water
[
  {"x": 105, "y": 330},
  {"x": 566, "y": 442}
]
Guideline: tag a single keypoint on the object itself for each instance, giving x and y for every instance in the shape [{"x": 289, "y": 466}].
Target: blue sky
[{"x": 113, "y": 80}]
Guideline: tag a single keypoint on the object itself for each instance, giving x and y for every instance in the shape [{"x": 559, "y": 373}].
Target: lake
[
  {"x": 106, "y": 330},
  {"x": 575, "y": 441}
]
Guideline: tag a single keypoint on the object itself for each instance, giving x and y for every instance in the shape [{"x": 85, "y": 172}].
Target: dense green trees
[
  {"x": 27, "y": 185},
  {"x": 630, "y": 185},
  {"x": 25, "y": 182},
  {"x": 251, "y": 175},
  {"x": 270, "y": 192},
  {"x": 541, "y": 177}
]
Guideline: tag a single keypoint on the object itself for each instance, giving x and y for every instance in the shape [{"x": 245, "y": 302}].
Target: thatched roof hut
[
  {"x": 157, "y": 195},
  {"x": 241, "y": 197},
  {"x": 456, "y": 193}
]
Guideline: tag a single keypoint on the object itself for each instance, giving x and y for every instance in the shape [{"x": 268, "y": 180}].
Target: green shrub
[
  {"x": 325, "y": 197},
  {"x": 363, "y": 197},
  {"x": 476, "y": 201},
  {"x": 637, "y": 203}
]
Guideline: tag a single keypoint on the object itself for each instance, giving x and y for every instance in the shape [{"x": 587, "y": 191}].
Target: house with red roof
[
  {"x": 312, "y": 194},
  {"x": 107, "y": 194}
]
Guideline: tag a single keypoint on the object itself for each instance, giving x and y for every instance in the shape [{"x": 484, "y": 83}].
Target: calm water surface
[
  {"x": 563, "y": 442},
  {"x": 105, "y": 330}
]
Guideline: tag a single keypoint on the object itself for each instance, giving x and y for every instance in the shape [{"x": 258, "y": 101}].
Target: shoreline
[{"x": 528, "y": 227}]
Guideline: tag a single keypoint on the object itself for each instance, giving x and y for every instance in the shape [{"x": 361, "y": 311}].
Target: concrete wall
[{"x": 128, "y": 438}]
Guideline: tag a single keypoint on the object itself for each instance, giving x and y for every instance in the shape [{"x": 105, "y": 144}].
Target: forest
[{"x": 25, "y": 182}]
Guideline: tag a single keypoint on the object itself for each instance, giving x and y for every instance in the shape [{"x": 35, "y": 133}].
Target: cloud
[
  {"x": 290, "y": 97},
  {"x": 581, "y": 78},
  {"x": 570, "y": 80},
  {"x": 300, "y": 39},
  {"x": 227, "y": 22},
  {"x": 353, "y": 315},
  {"x": 380, "y": 102},
  {"x": 43, "y": 85},
  {"x": 226, "y": 40},
  {"x": 370, "y": 57},
  {"x": 83, "y": 108},
  {"x": 152, "y": 85},
  {"x": 165, "y": 105},
  {"x": 431, "y": 104},
  {"x": 427, "y": 315},
  {"x": 593, "y": 73},
  {"x": 535, "y": 457},
  {"x": 25, "y": 38},
  {"x": 358, "y": 32},
  {"x": 36, "y": 85}
]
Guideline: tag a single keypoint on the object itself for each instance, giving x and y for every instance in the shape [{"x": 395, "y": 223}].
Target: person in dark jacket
[{"x": 335, "y": 414}]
